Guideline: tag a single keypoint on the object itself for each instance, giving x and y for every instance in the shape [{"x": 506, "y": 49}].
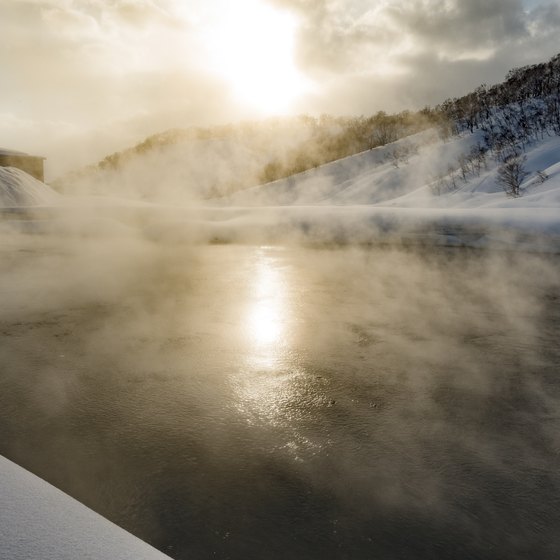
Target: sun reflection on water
[
  {"x": 272, "y": 387},
  {"x": 267, "y": 313},
  {"x": 265, "y": 379}
]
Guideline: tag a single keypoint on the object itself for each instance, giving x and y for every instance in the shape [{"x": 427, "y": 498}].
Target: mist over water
[{"x": 284, "y": 402}]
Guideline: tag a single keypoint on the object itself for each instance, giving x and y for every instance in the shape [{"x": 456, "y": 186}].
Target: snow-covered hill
[
  {"x": 377, "y": 177},
  {"x": 366, "y": 178},
  {"x": 483, "y": 191}
]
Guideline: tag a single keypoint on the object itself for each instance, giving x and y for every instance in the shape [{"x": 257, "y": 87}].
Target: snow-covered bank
[{"x": 39, "y": 522}]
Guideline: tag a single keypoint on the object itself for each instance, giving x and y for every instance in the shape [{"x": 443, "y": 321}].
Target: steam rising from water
[{"x": 354, "y": 402}]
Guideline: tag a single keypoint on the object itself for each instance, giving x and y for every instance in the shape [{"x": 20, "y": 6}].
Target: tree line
[{"x": 512, "y": 115}]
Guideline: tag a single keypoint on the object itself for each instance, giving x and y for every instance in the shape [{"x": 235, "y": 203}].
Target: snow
[
  {"x": 39, "y": 522},
  {"x": 366, "y": 178},
  {"x": 371, "y": 178},
  {"x": 18, "y": 188}
]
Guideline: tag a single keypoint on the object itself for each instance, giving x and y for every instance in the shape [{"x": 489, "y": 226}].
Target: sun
[{"x": 252, "y": 47}]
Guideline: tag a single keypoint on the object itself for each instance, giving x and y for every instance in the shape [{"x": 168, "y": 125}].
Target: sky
[{"x": 82, "y": 78}]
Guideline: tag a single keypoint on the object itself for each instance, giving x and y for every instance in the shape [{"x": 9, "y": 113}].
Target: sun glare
[
  {"x": 266, "y": 317},
  {"x": 252, "y": 48}
]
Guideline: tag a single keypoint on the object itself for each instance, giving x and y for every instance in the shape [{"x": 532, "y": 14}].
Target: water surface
[{"x": 280, "y": 402}]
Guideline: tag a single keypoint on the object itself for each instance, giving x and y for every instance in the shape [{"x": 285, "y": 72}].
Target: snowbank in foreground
[{"x": 39, "y": 522}]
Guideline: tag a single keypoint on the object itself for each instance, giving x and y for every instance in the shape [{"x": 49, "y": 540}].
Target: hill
[
  {"x": 200, "y": 164},
  {"x": 421, "y": 171}
]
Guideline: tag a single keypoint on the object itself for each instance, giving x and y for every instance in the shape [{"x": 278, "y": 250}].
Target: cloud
[
  {"x": 450, "y": 26},
  {"x": 546, "y": 18},
  {"x": 455, "y": 26},
  {"x": 416, "y": 51},
  {"x": 81, "y": 59}
]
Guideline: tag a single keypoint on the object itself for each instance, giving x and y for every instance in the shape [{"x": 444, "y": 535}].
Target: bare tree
[
  {"x": 511, "y": 174},
  {"x": 463, "y": 166},
  {"x": 396, "y": 157},
  {"x": 452, "y": 180},
  {"x": 438, "y": 186}
]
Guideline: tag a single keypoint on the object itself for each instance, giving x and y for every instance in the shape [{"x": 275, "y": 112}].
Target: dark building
[{"x": 30, "y": 164}]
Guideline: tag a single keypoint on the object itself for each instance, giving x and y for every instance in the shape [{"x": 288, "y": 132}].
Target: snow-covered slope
[
  {"x": 370, "y": 177},
  {"x": 483, "y": 191},
  {"x": 18, "y": 188},
  {"x": 39, "y": 522},
  {"x": 377, "y": 177}
]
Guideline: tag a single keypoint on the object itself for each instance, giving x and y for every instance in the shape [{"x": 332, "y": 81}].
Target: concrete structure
[{"x": 30, "y": 164}]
